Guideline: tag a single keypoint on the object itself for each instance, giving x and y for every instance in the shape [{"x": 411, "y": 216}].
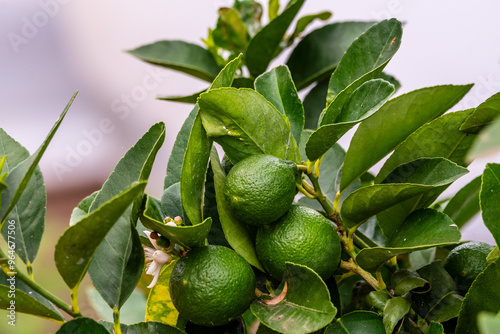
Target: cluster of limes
[{"x": 213, "y": 285}]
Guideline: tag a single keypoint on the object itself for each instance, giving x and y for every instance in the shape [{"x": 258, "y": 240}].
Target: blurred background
[{"x": 51, "y": 48}]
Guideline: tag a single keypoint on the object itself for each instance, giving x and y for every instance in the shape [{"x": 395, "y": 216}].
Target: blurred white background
[{"x": 50, "y": 48}]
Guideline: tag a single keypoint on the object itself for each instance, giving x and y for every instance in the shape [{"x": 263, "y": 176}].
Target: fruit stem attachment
[
  {"x": 302, "y": 168},
  {"x": 304, "y": 191},
  {"x": 319, "y": 195},
  {"x": 352, "y": 266}
]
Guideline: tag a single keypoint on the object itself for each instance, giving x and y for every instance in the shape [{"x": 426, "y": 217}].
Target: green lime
[
  {"x": 467, "y": 261},
  {"x": 261, "y": 188},
  {"x": 212, "y": 285},
  {"x": 302, "y": 236}
]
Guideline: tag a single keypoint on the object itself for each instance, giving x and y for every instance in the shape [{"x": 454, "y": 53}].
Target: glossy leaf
[
  {"x": 395, "y": 309},
  {"x": 82, "y": 209},
  {"x": 393, "y": 123},
  {"x": 180, "y": 56},
  {"x": 318, "y": 54},
  {"x": 423, "y": 229},
  {"x": 77, "y": 245},
  {"x": 404, "y": 280},
  {"x": 186, "y": 236},
  {"x": 364, "y": 102},
  {"x": 230, "y": 32},
  {"x": 278, "y": 88},
  {"x": 465, "y": 203},
  {"x": 171, "y": 204},
  {"x": 441, "y": 303},
  {"x": 236, "y": 232},
  {"x": 483, "y": 115},
  {"x": 233, "y": 118},
  {"x": 305, "y": 21},
  {"x": 26, "y": 300},
  {"x": 489, "y": 199},
  {"x": 82, "y": 326},
  {"x": 28, "y": 217},
  {"x": 405, "y": 182},
  {"x": 18, "y": 178},
  {"x": 314, "y": 103},
  {"x": 265, "y": 44},
  {"x": 159, "y": 305},
  {"x": 487, "y": 142},
  {"x": 357, "y": 322},
  {"x": 305, "y": 308}
]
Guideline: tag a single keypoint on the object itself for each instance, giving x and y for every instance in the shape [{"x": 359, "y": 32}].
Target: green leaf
[
  {"x": 186, "y": 236},
  {"x": 404, "y": 280},
  {"x": 435, "y": 328},
  {"x": 493, "y": 255},
  {"x": 233, "y": 118},
  {"x": 230, "y": 32},
  {"x": 441, "y": 303},
  {"x": 278, "y": 88},
  {"x": 159, "y": 305},
  {"x": 183, "y": 99},
  {"x": 357, "y": 322},
  {"x": 195, "y": 161},
  {"x": 305, "y": 308},
  {"x": 306, "y": 20},
  {"x": 171, "y": 204},
  {"x": 180, "y": 56},
  {"x": 251, "y": 14},
  {"x": 378, "y": 299},
  {"x": 366, "y": 57},
  {"x": 216, "y": 235},
  {"x": 265, "y": 44},
  {"x": 393, "y": 123},
  {"x": 487, "y": 142},
  {"x": 82, "y": 326},
  {"x": 236, "y": 232},
  {"x": 26, "y": 300},
  {"x": 489, "y": 199},
  {"x": 405, "y": 182},
  {"x": 274, "y": 8},
  {"x": 82, "y": 209},
  {"x": 465, "y": 203},
  {"x": 364, "y": 102},
  {"x": 18, "y": 178},
  {"x": 488, "y": 323},
  {"x": 483, "y": 115},
  {"x": 77, "y": 245},
  {"x": 395, "y": 309},
  {"x": 151, "y": 327},
  {"x": 314, "y": 103},
  {"x": 422, "y": 229},
  {"x": 318, "y": 54}
]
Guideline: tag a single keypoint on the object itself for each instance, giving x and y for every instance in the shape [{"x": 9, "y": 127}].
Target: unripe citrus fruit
[
  {"x": 467, "y": 261},
  {"x": 212, "y": 285},
  {"x": 261, "y": 188},
  {"x": 302, "y": 236}
]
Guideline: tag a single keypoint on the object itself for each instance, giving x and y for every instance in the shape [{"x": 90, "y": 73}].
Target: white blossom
[{"x": 156, "y": 258}]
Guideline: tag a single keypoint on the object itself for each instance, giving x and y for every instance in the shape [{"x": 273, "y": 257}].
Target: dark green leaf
[
  {"x": 317, "y": 55},
  {"x": 405, "y": 182},
  {"x": 82, "y": 209},
  {"x": 364, "y": 102},
  {"x": 435, "y": 328},
  {"x": 183, "y": 99},
  {"x": 395, "y": 309},
  {"x": 378, "y": 299},
  {"x": 77, "y": 245},
  {"x": 230, "y": 32},
  {"x": 441, "y": 303},
  {"x": 171, "y": 204},
  {"x": 422, "y": 229},
  {"x": 404, "y": 280},
  {"x": 233, "y": 118},
  {"x": 186, "y": 236},
  {"x": 278, "y": 88},
  {"x": 82, "y": 326},
  {"x": 465, "y": 204},
  {"x": 487, "y": 142},
  {"x": 26, "y": 300},
  {"x": 236, "y": 232},
  {"x": 391, "y": 79},
  {"x": 314, "y": 103},
  {"x": 483, "y": 296},
  {"x": 489, "y": 199},
  {"x": 357, "y": 322},
  {"x": 265, "y": 44},
  {"x": 180, "y": 56},
  {"x": 305, "y": 308},
  {"x": 152, "y": 327},
  {"x": 483, "y": 115},
  {"x": 18, "y": 178},
  {"x": 216, "y": 235},
  {"x": 393, "y": 123}
]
